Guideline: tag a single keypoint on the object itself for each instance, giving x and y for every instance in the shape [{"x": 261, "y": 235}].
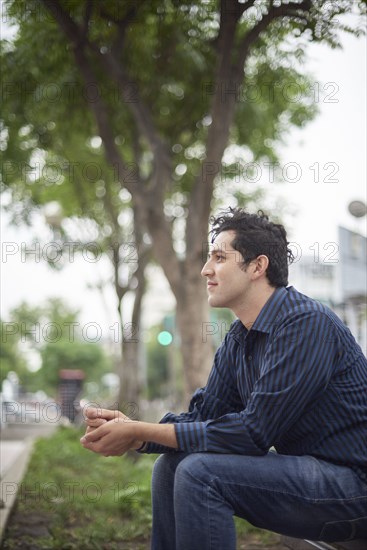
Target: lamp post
[
  {"x": 53, "y": 214},
  {"x": 358, "y": 209}
]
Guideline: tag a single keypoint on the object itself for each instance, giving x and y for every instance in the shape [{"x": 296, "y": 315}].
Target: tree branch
[
  {"x": 144, "y": 255},
  {"x": 138, "y": 109},
  {"x": 130, "y": 91},
  {"x": 151, "y": 198},
  {"x": 69, "y": 27},
  {"x": 87, "y": 15},
  {"x": 285, "y": 10},
  {"x": 222, "y": 111},
  {"x": 229, "y": 76},
  {"x": 73, "y": 32},
  {"x": 150, "y": 208},
  {"x": 122, "y": 23}
]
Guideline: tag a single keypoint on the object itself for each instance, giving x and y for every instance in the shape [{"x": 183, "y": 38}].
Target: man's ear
[{"x": 260, "y": 265}]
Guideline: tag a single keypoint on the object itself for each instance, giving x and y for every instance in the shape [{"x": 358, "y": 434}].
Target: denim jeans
[{"x": 195, "y": 497}]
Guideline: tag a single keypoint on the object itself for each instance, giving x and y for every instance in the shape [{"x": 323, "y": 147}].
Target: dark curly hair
[{"x": 256, "y": 235}]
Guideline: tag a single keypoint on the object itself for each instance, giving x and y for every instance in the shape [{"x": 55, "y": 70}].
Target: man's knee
[
  {"x": 193, "y": 470},
  {"x": 159, "y": 464},
  {"x": 165, "y": 467},
  {"x": 160, "y": 469}
]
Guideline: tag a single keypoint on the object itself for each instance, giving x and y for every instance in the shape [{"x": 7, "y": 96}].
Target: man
[{"x": 279, "y": 434}]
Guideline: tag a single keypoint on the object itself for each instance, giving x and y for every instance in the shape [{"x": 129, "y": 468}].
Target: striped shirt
[{"x": 296, "y": 381}]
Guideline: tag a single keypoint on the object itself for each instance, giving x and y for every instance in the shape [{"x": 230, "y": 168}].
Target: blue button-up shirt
[{"x": 295, "y": 381}]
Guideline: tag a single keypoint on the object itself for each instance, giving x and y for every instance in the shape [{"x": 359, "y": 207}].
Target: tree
[
  {"x": 166, "y": 86},
  {"x": 86, "y": 356},
  {"x": 11, "y": 358},
  {"x": 52, "y": 331},
  {"x": 91, "y": 207}
]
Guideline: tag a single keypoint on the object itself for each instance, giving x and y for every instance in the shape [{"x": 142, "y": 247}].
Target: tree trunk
[
  {"x": 130, "y": 380},
  {"x": 192, "y": 323}
]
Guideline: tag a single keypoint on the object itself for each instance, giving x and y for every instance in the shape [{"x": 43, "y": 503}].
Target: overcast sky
[
  {"x": 334, "y": 143},
  {"x": 325, "y": 162}
]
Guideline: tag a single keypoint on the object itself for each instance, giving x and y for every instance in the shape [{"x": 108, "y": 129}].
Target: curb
[
  {"x": 10, "y": 483},
  {"x": 14, "y": 471}
]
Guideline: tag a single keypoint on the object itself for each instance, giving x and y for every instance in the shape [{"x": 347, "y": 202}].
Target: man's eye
[{"x": 220, "y": 258}]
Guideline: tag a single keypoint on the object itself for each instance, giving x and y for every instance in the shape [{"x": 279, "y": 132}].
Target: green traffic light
[{"x": 165, "y": 338}]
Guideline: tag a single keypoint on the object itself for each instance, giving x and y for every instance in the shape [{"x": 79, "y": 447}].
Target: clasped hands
[{"x": 109, "y": 433}]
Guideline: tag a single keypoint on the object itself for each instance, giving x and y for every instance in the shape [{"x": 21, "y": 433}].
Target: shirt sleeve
[
  {"x": 219, "y": 397},
  {"x": 294, "y": 372}
]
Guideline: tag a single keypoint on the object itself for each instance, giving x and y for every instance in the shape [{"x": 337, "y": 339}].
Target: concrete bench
[{"x": 299, "y": 544}]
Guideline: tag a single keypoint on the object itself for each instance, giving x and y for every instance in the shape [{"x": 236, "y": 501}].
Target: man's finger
[
  {"x": 95, "y": 422},
  {"x": 107, "y": 414},
  {"x": 93, "y": 435},
  {"x": 93, "y": 446}
]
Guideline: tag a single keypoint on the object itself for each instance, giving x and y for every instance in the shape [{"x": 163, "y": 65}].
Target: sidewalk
[{"x": 9, "y": 452}]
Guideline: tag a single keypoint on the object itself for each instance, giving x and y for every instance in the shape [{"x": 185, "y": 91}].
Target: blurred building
[{"x": 339, "y": 280}]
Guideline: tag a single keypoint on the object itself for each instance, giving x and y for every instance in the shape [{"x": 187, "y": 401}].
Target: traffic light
[{"x": 165, "y": 338}]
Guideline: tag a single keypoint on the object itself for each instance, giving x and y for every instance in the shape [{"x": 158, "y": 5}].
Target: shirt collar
[
  {"x": 269, "y": 313},
  {"x": 266, "y": 318}
]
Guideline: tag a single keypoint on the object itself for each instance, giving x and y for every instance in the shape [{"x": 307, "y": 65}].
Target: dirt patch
[
  {"x": 254, "y": 542},
  {"x": 34, "y": 531},
  {"x": 24, "y": 530}
]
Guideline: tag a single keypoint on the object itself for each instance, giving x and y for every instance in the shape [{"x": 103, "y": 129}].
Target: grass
[{"x": 72, "y": 499}]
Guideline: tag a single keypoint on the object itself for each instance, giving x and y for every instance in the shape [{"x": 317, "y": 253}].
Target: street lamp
[
  {"x": 53, "y": 214},
  {"x": 358, "y": 209}
]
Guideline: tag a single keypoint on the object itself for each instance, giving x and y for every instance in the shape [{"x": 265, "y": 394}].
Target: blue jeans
[{"x": 195, "y": 497}]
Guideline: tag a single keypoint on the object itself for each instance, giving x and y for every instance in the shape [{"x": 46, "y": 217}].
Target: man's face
[{"x": 227, "y": 283}]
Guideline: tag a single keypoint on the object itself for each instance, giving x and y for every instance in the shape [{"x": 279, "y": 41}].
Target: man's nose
[{"x": 207, "y": 269}]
